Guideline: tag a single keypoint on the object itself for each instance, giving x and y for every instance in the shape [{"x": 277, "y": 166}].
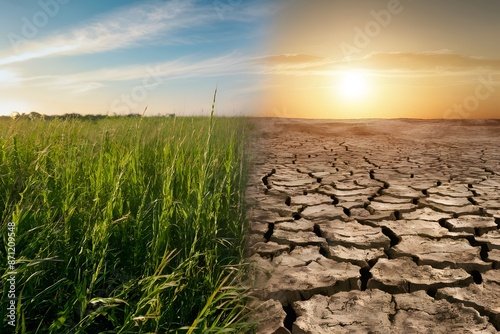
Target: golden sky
[{"x": 384, "y": 59}]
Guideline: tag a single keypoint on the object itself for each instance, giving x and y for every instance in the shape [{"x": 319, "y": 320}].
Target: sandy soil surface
[{"x": 375, "y": 226}]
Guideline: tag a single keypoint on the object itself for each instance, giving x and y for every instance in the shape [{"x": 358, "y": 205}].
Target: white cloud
[
  {"x": 122, "y": 28},
  {"x": 228, "y": 64}
]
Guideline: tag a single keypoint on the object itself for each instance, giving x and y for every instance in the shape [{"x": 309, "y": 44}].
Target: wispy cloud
[
  {"x": 302, "y": 60},
  {"x": 293, "y": 64},
  {"x": 122, "y": 28},
  {"x": 424, "y": 63},
  {"x": 229, "y": 64},
  {"x": 441, "y": 60},
  {"x": 247, "y": 11}
]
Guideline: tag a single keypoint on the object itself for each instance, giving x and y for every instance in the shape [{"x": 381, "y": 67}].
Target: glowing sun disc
[{"x": 353, "y": 85}]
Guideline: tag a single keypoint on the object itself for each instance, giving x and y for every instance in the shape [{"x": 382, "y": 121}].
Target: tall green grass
[{"x": 124, "y": 225}]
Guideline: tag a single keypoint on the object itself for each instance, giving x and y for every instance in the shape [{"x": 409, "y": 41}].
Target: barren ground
[{"x": 375, "y": 226}]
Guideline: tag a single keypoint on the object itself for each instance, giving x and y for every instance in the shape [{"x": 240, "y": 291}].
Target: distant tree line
[{"x": 34, "y": 115}]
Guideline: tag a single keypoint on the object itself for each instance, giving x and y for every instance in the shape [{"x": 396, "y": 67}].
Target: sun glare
[
  {"x": 9, "y": 106},
  {"x": 353, "y": 85}
]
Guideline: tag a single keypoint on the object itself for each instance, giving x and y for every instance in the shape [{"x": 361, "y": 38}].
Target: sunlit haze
[
  {"x": 384, "y": 59},
  {"x": 353, "y": 85}
]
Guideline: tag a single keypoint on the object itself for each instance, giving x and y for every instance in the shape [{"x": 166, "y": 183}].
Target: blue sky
[{"x": 64, "y": 56}]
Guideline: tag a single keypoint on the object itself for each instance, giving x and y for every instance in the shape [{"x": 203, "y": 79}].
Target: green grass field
[{"x": 124, "y": 225}]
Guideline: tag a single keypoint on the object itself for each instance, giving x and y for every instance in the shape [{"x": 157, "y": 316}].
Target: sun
[{"x": 353, "y": 85}]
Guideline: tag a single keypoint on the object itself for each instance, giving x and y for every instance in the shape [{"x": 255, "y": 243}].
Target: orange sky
[{"x": 384, "y": 59}]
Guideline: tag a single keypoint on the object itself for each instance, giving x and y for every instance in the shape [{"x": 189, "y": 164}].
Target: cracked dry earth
[{"x": 375, "y": 226}]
